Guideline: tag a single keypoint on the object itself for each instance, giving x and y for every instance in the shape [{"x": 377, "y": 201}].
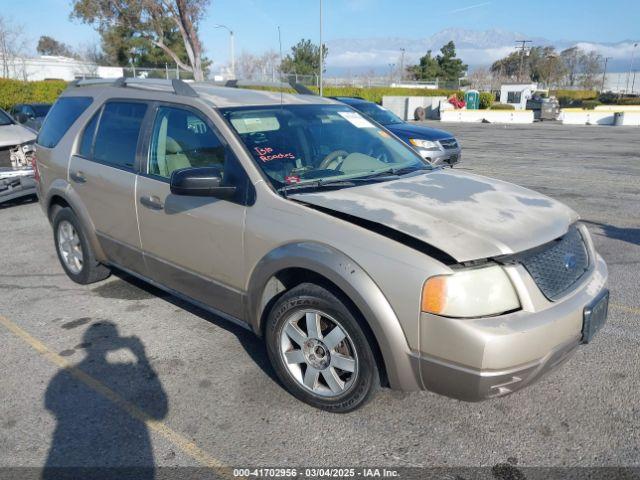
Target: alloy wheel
[{"x": 70, "y": 247}]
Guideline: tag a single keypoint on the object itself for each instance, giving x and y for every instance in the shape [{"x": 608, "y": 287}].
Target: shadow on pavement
[
  {"x": 629, "y": 235},
  {"x": 92, "y": 434}
]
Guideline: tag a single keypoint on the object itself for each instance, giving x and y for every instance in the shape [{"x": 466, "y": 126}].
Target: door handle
[
  {"x": 78, "y": 177},
  {"x": 152, "y": 202}
]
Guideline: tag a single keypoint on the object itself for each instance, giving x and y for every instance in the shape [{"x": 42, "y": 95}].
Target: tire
[
  {"x": 333, "y": 370},
  {"x": 86, "y": 269}
]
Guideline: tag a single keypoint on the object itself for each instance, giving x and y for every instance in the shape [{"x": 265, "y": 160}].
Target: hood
[
  {"x": 469, "y": 217},
  {"x": 409, "y": 130},
  {"x": 15, "y": 135}
]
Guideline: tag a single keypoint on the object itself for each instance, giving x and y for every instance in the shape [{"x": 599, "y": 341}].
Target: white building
[
  {"x": 48, "y": 67},
  {"x": 517, "y": 94}
]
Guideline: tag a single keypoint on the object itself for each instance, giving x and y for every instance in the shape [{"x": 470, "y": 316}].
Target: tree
[
  {"x": 590, "y": 68},
  {"x": 451, "y": 68},
  {"x": 444, "y": 66},
  {"x": 50, "y": 46},
  {"x": 507, "y": 67},
  {"x": 12, "y": 47},
  {"x": 304, "y": 58},
  {"x": 571, "y": 59},
  {"x": 426, "y": 69},
  {"x": 154, "y": 21},
  {"x": 254, "y": 67}
]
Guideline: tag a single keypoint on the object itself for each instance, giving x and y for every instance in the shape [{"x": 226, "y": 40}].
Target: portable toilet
[{"x": 472, "y": 99}]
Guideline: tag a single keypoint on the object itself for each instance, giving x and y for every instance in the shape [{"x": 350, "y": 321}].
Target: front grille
[
  {"x": 449, "y": 143},
  {"x": 5, "y": 156},
  {"x": 558, "y": 266}
]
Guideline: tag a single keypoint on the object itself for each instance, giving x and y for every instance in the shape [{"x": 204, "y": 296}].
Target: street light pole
[
  {"x": 402, "y": 50},
  {"x": 231, "y": 48},
  {"x": 604, "y": 74},
  {"x": 321, "y": 50}
]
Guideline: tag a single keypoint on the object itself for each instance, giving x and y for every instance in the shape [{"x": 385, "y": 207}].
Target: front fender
[{"x": 351, "y": 278}]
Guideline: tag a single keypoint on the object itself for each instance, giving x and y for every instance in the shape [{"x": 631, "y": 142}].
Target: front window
[
  {"x": 378, "y": 113},
  {"x": 296, "y": 144},
  {"x": 5, "y": 119}
]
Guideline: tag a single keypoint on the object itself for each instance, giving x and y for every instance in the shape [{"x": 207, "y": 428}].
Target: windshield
[
  {"x": 295, "y": 144},
  {"x": 41, "y": 110},
  {"x": 378, "y": 113},
  {"x": 5, "y": 119}
]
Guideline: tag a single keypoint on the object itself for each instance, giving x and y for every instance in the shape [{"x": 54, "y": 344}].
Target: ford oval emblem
[{"x": 570, "y": 261}]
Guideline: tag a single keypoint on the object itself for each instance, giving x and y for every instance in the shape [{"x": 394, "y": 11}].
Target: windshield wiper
[
  {"x": 392, "y": 171},
  {"x": 317, "y": 184}
]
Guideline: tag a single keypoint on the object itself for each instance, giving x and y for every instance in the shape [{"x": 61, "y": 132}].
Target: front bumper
[
  {"x": 442, "y": 156},
  {"x": 476, "y": 359},
  {"x": 16, "y": 183}
]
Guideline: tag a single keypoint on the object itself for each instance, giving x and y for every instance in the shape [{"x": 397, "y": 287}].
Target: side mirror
[{"x": 200, "y": 182}]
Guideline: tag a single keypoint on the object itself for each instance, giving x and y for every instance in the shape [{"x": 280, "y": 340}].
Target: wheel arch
[
  {"x": 292, "y": 264},
  {"x": 61, "y": 195}
]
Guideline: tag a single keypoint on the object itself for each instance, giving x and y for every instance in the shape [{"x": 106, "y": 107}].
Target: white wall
[{"x": 59, "y": 68}]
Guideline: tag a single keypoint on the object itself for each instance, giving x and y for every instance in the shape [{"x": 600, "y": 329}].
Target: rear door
[
  {"x": 193, "y": 245},
  {"x": 103, "y": 172}
]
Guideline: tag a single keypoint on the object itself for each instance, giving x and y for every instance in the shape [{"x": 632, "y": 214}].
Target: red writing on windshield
[{"x": 266, "y": 154}]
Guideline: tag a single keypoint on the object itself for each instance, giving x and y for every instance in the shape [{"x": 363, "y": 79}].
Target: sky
[{"x": 255, "y": 22}]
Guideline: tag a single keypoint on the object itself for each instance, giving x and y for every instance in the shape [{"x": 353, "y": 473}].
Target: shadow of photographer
[{"x": 94, "y": 438}]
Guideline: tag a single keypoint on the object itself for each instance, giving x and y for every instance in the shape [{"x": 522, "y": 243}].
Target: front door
[
  {"x": 193, "y": 245},
  {"x": 103, "y": 173}
]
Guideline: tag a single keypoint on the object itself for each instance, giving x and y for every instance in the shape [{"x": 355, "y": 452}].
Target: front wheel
[{"x": 319, "y": 350}]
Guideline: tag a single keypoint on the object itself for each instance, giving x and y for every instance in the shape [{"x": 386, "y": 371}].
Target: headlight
[
  {"x": 470, "y": 293},
  {"x": 426, "y": 144}
]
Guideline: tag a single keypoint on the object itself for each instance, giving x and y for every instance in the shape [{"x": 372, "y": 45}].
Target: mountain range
[{"x": 477, "y": 48}]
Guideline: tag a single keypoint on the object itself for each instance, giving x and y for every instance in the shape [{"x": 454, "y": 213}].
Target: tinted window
[
  {"x": 5, "y": 119},
  {"x": 87, "y": 137},
  {"x": 118, "y": 131},
  {"x": 182, "y": 139},
  {"x": 41, "y": 110},
  {"x": 63, "y": 114}
]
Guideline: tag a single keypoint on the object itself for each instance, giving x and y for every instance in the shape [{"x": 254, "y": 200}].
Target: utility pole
[
  {"x": 523, "y": 50},
  {"x": 321, "y": 50},
  {"x": 604, "y": 74},
  {"x": 232, "y": 52},
  {"x": 626, "y": 90},
  {"x": 402, "y": 50}
]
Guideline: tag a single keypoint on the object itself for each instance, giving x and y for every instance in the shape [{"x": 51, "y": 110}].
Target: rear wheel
[
  {"x": 319, "y": 351},
  {"x": 74, "y": 251}
]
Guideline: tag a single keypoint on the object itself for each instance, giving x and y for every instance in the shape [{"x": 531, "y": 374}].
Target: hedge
[
  {"x": 502, "y": 106},
  {"x": 575, "y": 94},
  {"x": 16, "y": 91}
]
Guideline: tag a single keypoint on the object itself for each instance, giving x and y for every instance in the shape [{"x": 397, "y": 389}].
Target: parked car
[
  {"x": 436, "y": 146},
  {"x": 307, "y": 223},
  {"x": 30, "y": 115},
  {"x": 16, "y": 147}
]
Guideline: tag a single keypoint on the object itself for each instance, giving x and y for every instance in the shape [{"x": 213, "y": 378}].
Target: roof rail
[{"x": 176, "y": 86}]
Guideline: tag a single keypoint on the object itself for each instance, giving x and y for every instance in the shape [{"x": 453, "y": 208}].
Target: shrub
[
  {"x": 486, "y": 100},
  {"x": 373, "y": 94},
  {"x": 575, "y": 94},
  {"x": 502, "y": 106},
  {"x": 590, "y": 104},
  {"x": 16, "y": 91},
  {"x": 610, "y": 98}
]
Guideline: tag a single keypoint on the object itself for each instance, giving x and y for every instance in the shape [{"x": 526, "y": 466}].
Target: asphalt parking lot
[{"x": 118, "y": 373}]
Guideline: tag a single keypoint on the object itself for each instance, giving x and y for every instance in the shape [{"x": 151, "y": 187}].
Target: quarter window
[
  {"x": 118, "y": 131},
  {"x": 62, "y": 115},
  {"x": 182, "y": 139}
]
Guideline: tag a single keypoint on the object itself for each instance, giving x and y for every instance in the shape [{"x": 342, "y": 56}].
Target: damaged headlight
[
  {"x": 424, "y": 144},
  {"x": 468, "y": 293}
]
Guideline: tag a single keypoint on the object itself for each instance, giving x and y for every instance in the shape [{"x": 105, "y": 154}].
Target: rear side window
[
  {"x": 117, "y": 136},
  {"x": 62, "y": 115}
]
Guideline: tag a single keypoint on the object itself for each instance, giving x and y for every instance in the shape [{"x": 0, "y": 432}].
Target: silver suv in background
[{"x": 359, "y": 263}]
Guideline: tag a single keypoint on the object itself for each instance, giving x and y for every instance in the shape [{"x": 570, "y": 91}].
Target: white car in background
[{"x": 16, "y": 149}]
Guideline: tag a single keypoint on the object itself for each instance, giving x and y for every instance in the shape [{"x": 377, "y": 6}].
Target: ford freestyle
[{"x": 358, "y": 262}]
